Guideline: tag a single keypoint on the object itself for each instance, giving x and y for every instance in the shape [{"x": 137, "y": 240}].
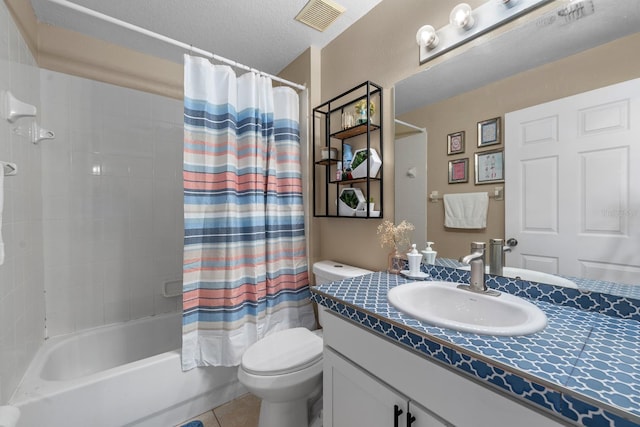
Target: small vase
[
  {"x": 394, "y": 261},
  {"x": 362, "y": 117}
]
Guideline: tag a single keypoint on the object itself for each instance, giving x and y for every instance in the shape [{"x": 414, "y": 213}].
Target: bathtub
[{"x": 126, "y": 374}]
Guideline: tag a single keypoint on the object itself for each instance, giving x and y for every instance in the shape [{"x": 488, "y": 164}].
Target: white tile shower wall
[
  {"x": 112, "y": 202},
  {"x": 21, "y": 275}
]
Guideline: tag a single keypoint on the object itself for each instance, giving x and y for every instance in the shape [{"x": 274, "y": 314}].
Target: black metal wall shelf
[{"x": 331, "y": 131}]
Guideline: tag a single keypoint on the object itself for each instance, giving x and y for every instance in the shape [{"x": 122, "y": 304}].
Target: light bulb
[
  {"x": 427, "y": 36},
  {"x": 461, "y": 16}
]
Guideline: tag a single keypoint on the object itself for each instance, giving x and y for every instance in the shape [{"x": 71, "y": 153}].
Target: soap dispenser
[
  {"x": 429, "y": 254},
  {"x": 415, "y": 259}
]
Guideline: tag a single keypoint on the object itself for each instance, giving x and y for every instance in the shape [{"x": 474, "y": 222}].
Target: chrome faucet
[
  {"x": 497, "y": 249},
  {"x": 476, "y": 278}
]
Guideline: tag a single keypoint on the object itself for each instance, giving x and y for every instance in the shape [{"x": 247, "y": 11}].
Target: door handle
[
  {"x": 512, "y": 242},
  {"x": 396, "y": 415}
]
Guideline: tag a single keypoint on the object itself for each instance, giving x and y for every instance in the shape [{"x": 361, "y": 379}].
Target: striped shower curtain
[{"x": 245, "y": 271}]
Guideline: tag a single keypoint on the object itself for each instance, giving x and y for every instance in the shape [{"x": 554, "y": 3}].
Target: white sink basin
[
  {"x": 443, "y": 304},
  {"x": 532, "y": 276}
]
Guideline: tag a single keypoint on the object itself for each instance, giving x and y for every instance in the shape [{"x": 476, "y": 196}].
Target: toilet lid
[{"x": 283, "y": 352}]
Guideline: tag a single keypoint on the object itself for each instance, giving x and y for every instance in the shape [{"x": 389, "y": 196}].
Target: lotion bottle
[
  {"x": 414, "y": 258},
  {"x": 429, "y": 254}
]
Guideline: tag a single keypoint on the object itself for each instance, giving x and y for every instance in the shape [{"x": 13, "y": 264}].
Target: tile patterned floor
[{"x": 241, "y": 412}]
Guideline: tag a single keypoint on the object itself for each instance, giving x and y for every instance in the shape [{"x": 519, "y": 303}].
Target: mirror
[{"x": 530, "y": 49}]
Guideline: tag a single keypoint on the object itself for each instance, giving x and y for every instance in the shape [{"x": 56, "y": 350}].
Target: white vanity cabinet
[
  {"x": 360, "y": 399},
  {"x": 368, "y": 378}
]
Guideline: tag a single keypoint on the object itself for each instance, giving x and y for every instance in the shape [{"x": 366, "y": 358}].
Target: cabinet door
[
  {"x": 352, "y": 397},
  {"x": 425, "y": 418}
]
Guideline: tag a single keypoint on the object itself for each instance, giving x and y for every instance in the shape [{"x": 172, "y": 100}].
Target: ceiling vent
[{"x": 319, "y": 14}]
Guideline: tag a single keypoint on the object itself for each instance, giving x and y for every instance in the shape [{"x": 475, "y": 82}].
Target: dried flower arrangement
[{"x": 397, "y": 236}]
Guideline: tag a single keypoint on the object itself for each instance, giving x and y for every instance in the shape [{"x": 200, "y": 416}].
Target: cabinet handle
[
  {"x": 396, "y": 414},
  {"x": 410, "y": 419}
]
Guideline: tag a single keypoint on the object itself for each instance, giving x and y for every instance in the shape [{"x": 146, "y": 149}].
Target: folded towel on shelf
[
  {"x": 1, "y": 205},
  {"x": 466, "y": 210}
]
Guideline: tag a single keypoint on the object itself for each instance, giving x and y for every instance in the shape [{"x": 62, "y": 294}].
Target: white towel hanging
[{"x": 466, "y": 210}]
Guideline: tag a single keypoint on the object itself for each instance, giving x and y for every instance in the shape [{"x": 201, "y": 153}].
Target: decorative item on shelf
[
  {"x": 346, "y": 174},
  {"x": 350, "y": 201},
  {"x": 327, "y": 153},
  {"x": 348, "y": 120},
  {"x": 396, "y": 236},
  {"x": 359, "y": 163},
  {"x": 373, "y": 213},
  {"x": 361, "y": 111},
  {"x": 347, "y": 155}
]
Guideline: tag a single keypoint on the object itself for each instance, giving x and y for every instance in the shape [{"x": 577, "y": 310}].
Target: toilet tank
[{"x": 330, "y": 271}]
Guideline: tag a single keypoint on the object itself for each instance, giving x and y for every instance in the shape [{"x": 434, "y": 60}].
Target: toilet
[{"x": 284, "y": 369}]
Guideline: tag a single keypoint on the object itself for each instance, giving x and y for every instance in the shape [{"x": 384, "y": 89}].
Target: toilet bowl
[{"x": 284, "y": 369}]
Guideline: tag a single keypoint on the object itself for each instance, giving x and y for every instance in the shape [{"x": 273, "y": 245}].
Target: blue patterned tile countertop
[
  {"x": 620, "y": 289},
  {"x": 584, "y": 366}
]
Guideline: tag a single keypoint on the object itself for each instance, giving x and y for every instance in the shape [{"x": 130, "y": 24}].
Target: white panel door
[{"x": 573, "y": 194}]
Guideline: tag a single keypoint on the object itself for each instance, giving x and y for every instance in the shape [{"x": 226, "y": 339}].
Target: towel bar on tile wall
[
  {"x": 498, "y": 194},
  {"x": 9, "y": 169}
]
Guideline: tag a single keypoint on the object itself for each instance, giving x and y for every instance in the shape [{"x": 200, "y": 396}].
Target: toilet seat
[{"x": 283, "y": 352}]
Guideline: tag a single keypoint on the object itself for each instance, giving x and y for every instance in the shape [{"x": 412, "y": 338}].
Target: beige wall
[{"x": 381, "y": 48}]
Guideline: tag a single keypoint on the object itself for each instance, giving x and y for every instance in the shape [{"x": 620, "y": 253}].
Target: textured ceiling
[{"x": 259, "y": 33}]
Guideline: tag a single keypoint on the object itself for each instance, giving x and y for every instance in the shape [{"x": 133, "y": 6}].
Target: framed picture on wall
[
  {"x": 489, "y": 132},
  {"x": 455, "y": 143},
  {"x": 459, "y": 171},
  {"x": 489, "y": 167}
]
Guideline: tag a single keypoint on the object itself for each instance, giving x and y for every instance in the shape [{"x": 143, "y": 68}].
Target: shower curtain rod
[
  {"x": 190, "y": 48},
  {"x": 410, "y": 125}
]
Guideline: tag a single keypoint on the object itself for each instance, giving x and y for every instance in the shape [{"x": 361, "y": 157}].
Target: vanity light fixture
[
  {"x": 427, "y": 37},
  {"x": 462, "y": 16},
  {"x": 465, "y": 24}
]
